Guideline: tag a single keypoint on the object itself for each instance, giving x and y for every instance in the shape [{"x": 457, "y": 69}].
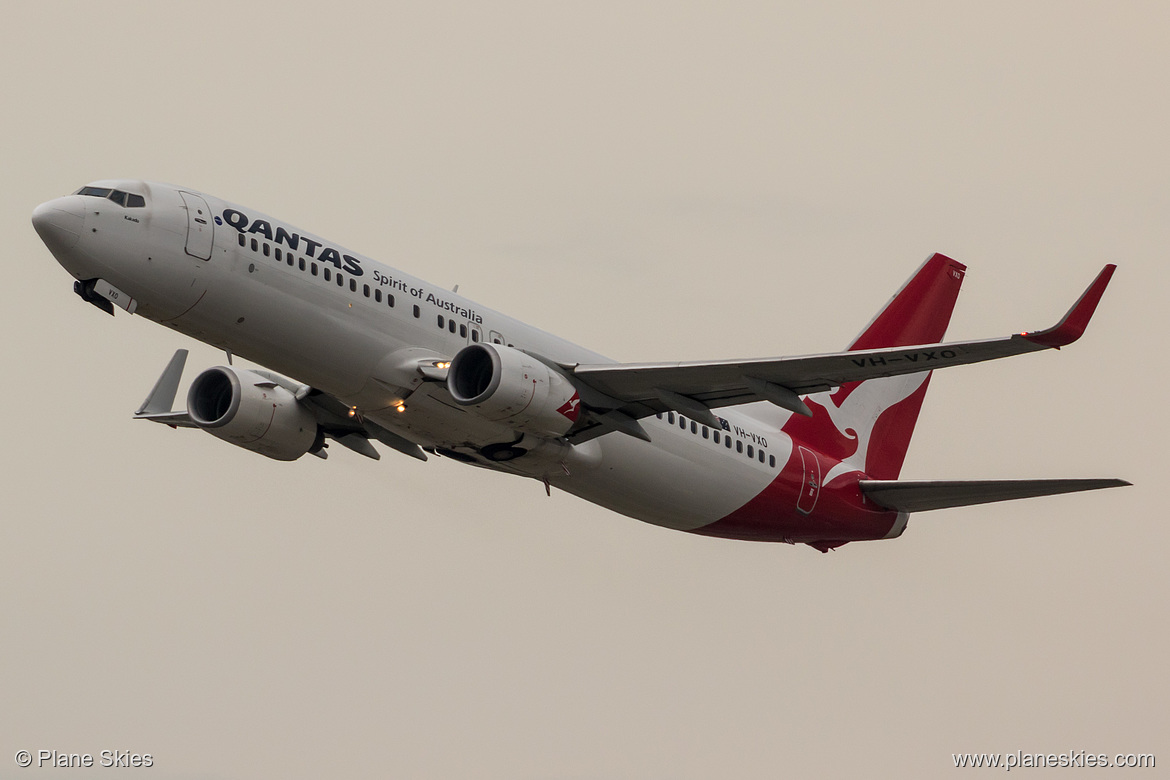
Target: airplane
[{"x": 805, "y": 449}]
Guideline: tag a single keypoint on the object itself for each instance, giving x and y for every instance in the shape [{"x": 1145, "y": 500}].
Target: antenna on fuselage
[{"x": 229, "y": 356}]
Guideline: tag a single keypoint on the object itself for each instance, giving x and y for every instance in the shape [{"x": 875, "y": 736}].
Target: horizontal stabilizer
[{"x": 911, "y": 496}]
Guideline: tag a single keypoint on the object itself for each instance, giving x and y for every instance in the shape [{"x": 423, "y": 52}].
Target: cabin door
[{"x": 200, "y": 230}]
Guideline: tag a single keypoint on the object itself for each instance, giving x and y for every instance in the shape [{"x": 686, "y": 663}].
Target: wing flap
[{"x": 921, "y": 496}]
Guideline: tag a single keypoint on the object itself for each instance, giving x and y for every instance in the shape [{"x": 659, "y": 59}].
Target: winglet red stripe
[{"x": 1072, "y": 327}]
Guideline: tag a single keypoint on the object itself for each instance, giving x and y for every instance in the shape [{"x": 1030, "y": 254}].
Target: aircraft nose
[{"x": 59, "y": 222}]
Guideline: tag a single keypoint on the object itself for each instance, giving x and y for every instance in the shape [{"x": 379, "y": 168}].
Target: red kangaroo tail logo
[{"x": 870, "y": 423}]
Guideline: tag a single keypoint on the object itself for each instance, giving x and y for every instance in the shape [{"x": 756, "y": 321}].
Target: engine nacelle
[
  {"x": 251, "y": 411},
  {"x": 508, "y": 386}
]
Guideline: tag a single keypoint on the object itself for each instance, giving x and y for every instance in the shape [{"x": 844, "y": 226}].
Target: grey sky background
[{"x": 658, "y": 181}]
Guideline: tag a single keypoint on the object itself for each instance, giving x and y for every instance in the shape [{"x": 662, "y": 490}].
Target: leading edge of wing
[
  {"x": 921, "y": 496},
  {"x": 727, "y": 382}
]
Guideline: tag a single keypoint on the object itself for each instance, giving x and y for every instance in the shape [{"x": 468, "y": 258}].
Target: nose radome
[{"x": 60, "y": 222}]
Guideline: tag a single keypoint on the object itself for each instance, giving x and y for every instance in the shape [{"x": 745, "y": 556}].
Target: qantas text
[{"x": 293, "y": 241}]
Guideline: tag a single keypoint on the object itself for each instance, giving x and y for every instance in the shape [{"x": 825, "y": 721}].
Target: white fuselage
[{"x": 243, "y": 282}]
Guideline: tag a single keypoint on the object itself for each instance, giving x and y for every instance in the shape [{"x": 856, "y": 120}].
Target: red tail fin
[
  {"x": 919, "y": 312},
  {"x": 870, "y": 423}
]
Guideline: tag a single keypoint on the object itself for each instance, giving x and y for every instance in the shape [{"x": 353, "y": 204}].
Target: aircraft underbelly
[
  {"x": 684, "y": 485},
  {"x": 431, "y": 418}
]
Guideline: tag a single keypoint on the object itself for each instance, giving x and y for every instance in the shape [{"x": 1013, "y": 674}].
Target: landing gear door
[
  {"x": 810, "y": 488},
  {"x": 200, "y": 228}
]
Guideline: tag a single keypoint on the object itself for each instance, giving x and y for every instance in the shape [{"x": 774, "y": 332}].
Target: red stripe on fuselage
[{"x": 841, "y": 512}]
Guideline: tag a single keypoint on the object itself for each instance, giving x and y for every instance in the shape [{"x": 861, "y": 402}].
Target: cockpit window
[{"x": 127, "y": 199}]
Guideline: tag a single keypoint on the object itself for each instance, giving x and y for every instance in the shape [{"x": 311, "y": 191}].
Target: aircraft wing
[
  {"x": 333, "y": 417},
  {"x": 693, "y": 388},
  {"x": 177, "y": 419}
]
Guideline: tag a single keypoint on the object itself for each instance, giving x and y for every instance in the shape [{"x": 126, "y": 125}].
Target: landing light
[
  {"x": 442, "y": 364},
  {"x": 353, "y": 411},
  {"x": 401, "y": 407}
]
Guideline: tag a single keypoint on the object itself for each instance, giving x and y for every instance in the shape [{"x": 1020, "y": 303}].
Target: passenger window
[
  {"x": 417, "y": 312},
  {"x": 255, "y": 246},
  {"x": 340, "y": 280},
  {"x": 451, "y": 325},
  {"x": 706, "y": 431},
  {"x": 462, "y": 331},
  {"x": 738, "y": 446},
  {"x": 727, "y": 442},
  {"x": 474, "y": 335},
  {"x": 289, "y": 257},
  {"x": 313, "y": 268},
  {"x": 761, "y": 458},
  {"x": 442, "y": 322},
  {"x": 715, "y": 436},
  {"x": 366, "y": 290},
  {"x": 772, "y": 461},
  {"x": 751, "y": 452},
  {"x": 279, "y": 256},
  {"x": 326, "y": 273},
  {"x": 267, "y": 249},
  {"x": 694, "y": 427},
  {"x": 243, "y": 240},
  {"x": 659, "y": 415},
  {"x": 353, "y": 287},
  {"x": 682, "y": 422},
  {"x": 390, "y": 299},
  {"x": 135, "y": 201},
  {"x": 378, "y": 296},
  {"x": 302, "y": 263},
  {"x": 670, "y": 417}
]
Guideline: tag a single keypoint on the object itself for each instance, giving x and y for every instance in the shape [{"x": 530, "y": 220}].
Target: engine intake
[
  {"x": 251, "y": 411},
  {"x": 506, "y": 385}
]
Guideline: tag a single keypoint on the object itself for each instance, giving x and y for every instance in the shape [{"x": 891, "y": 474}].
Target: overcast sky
[{"x": 655, "y": 181}]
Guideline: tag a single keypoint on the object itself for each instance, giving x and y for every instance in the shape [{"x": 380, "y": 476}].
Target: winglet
[
  {"x": 162, "y": 396},
  {"x": 1072, "y": 327}
]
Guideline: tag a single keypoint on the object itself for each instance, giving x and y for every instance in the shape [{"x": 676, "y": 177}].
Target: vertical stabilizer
[{"x": 869, "y": 424}]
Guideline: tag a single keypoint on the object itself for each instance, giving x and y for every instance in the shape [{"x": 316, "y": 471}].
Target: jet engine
[
  {"x": 251, "y": 411},
  {"x": 506, "y": 385}
]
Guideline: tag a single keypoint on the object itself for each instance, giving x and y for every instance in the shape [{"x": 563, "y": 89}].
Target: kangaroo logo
[{"x": 571, "y": 409}]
